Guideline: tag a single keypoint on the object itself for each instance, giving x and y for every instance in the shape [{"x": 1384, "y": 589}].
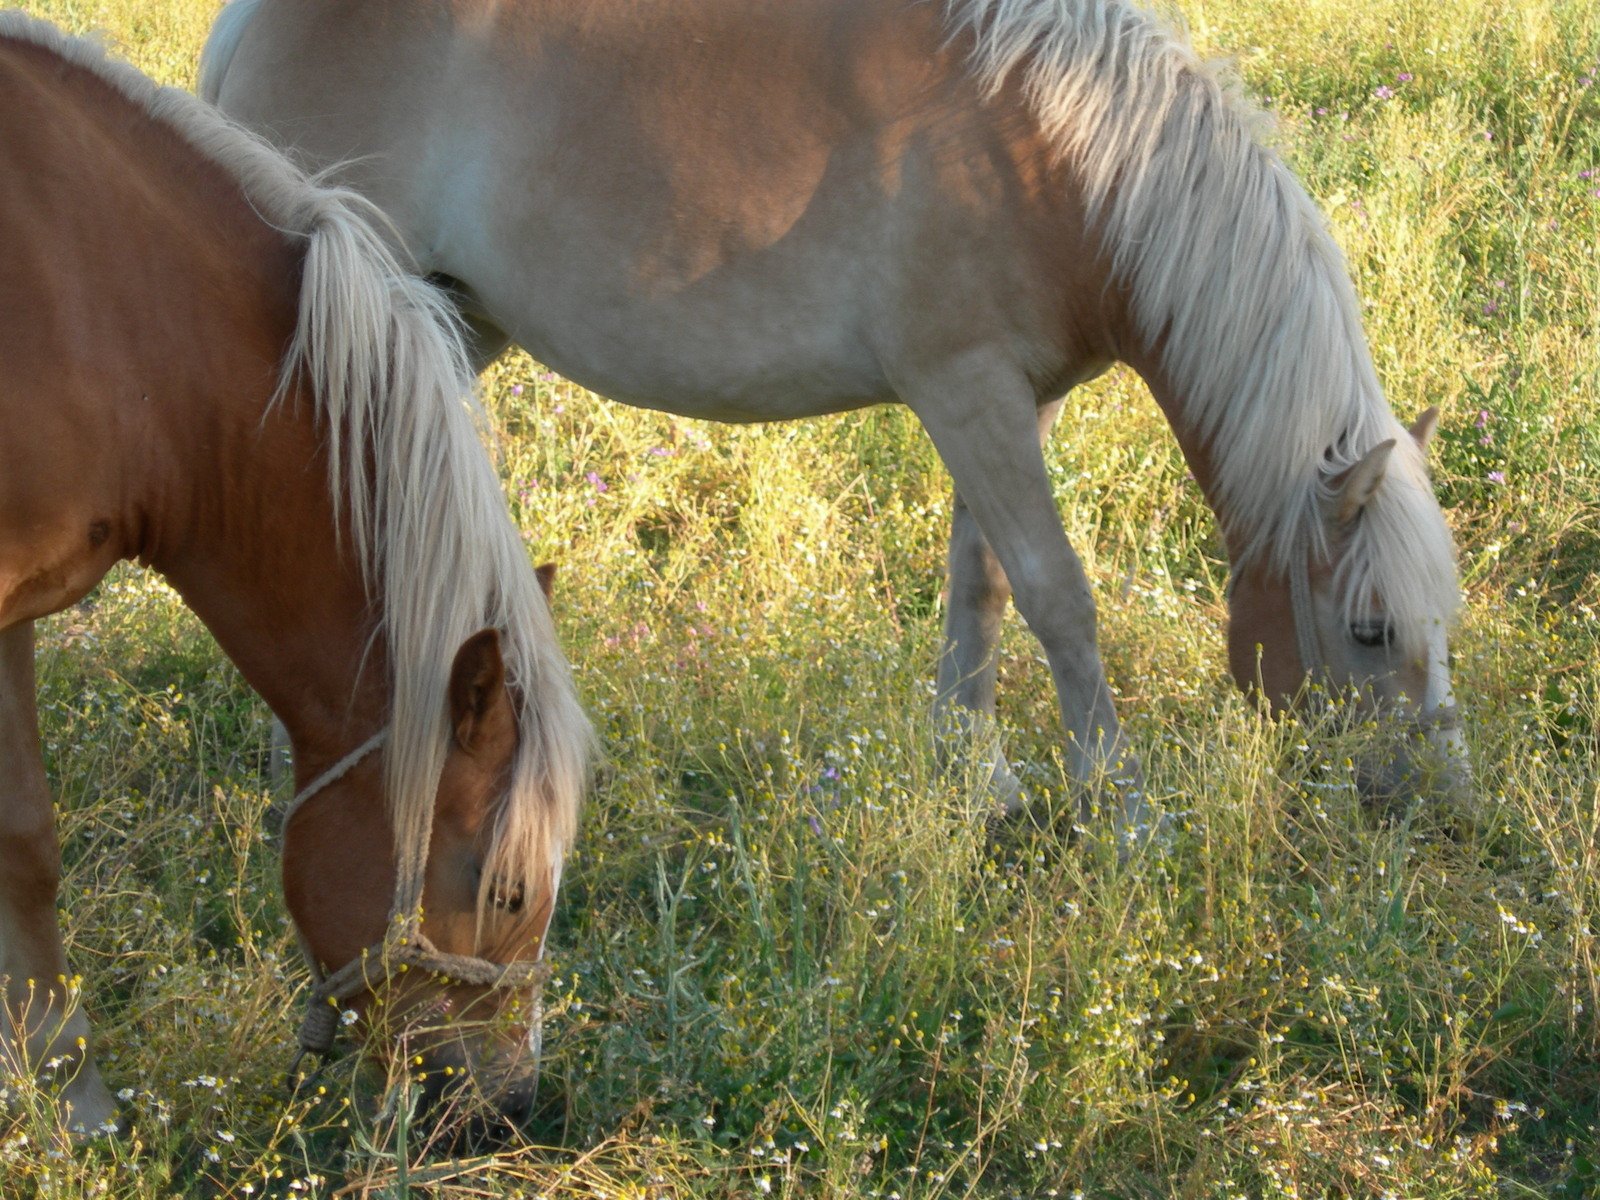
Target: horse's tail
[{"x": 221, "y": 42}]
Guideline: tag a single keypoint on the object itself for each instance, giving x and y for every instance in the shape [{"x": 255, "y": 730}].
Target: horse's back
[{"x": 738, "y": 211}]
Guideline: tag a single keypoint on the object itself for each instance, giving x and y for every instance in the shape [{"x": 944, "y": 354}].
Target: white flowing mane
[
  {"x": 1230, "y": 262},
  {"x": 382, "y": 353}
]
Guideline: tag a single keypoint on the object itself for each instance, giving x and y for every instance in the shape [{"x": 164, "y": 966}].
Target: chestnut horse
[
  {"x": 780, "y": 208},
  {"x": 215, "y": 368}
]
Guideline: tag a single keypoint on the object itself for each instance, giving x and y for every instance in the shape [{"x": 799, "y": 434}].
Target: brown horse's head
[
  {"x": 459, "y": 1037},
  {"x": 1326, "y": 627}
]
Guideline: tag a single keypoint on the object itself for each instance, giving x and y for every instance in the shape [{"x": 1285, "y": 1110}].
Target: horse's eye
[
  {"x": 1372, "y": 633},
  {"x": 508, "y": 899}
]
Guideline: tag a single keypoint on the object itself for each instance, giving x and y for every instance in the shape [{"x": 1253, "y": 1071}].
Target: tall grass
[{"x": 790, "y": 959}]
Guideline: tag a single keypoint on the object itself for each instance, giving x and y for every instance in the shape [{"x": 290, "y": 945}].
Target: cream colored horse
[{"x": 781, "y": 208}]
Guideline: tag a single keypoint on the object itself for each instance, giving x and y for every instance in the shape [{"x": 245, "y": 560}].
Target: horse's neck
[
  {"x": 1254, "y": 432},
  {"x": 252, "y": 549},
  {"x": 1170, "y": 396},
  {"x": 1241, "y": 312},
  {"x": 237, "y": 511},
  {"x": 175, "y": 354}
]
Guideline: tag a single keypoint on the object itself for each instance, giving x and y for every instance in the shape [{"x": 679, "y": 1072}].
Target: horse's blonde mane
[
  {"x": 382, "y": 353},
  {"x": 1233, "y": 271}
]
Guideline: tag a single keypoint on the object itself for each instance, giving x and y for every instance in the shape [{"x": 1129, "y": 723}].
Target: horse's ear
[
  {"x": 1422, "y": 431},
  {"x": 547, "y": 579},
  {"x": 477, "y": 686},
  {"x": 1360, "y": 482}
]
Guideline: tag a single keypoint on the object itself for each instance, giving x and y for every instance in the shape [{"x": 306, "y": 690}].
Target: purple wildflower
[
  {"x": 1483, "y": 418},
  {"x": 1497, "y": 477},
  {"x": 599, "y": 484},
  {"x": 1403, "y": 77},
  {"x": 516, "y": 389},
  {"x": 1383, "y": 92}
]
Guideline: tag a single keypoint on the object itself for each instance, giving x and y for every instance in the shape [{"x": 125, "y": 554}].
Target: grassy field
[{"x": 788, "y": 961}]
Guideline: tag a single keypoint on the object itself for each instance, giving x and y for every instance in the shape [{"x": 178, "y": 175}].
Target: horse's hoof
[{"x": 1007, "y": 797}]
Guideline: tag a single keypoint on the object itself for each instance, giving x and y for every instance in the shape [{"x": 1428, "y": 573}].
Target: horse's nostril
[
  {"x": 437, "y": 1088},
  {"x": 516, "y": 1104}
]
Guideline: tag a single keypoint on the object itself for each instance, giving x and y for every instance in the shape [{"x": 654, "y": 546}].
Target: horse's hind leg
[
  {"x": 40, "y": 1025},
  {"x": 979, "y": 592},
  {"x": 982, "y": 416}
]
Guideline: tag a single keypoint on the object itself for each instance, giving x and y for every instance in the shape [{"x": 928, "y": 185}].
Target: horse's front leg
[
  {"x": 982, "y": 416},
  {"x": 43, "y": 1032},
  {"x": 978, "y": 593}
]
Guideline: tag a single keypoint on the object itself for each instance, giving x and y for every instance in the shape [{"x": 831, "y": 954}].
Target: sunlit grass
[{"x": 790, "y": 959}]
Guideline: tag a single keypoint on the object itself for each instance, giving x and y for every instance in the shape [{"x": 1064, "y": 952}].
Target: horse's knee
[{"x": 1061, "y": 613}]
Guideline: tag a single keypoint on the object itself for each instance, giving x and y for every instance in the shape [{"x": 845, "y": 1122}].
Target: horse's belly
[
  {"x": 765, "y": 344},
  {"x": 712, "y": 388}
]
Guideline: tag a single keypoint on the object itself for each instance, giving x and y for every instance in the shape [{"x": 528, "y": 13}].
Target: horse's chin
[
  {"x": 1452, "y": 763},
  {"x": 469, "y": 1115},
  {"x": 477, "y": 1086}
]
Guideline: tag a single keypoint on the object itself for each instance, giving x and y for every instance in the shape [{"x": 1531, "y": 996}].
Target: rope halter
[{"x": 403, "y": 945}]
